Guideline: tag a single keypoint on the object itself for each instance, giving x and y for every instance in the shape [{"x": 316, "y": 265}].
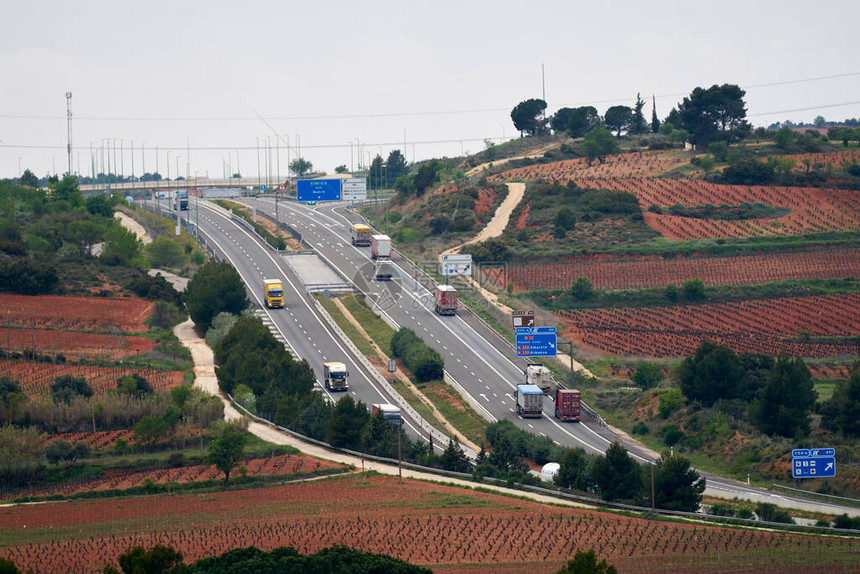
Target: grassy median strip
[{"x": 438, "y": 394}]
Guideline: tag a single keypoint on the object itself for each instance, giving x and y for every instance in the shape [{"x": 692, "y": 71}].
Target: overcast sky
[{"x": 344, "y": 81}]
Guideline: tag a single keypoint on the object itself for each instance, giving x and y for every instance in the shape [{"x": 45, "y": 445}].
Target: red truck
[
  {"x": 567, "y": 405},
  {"x": 446, "y": 300}
]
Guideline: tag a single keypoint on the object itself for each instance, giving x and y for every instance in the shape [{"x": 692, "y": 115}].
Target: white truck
[
  {"x": 390, "y": 412},
  {"x": 335, "y": 376},
  {"x": 380, "y": 247},
  {"x": 529, "y": 401},
  {"x": 540, "y": 376},
  {"x": 384, "y": 270}
]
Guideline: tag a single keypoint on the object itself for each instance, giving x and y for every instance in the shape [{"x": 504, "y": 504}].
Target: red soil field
[
  {"x": 635, "y": 164},
  {"x": 812, "y": 209},
  {"x": 36, "y": 378},
  {"x": 289, "y": 464},
  {"x": 756, "y": 326},
  {"x": 74, "y": 345},
  {"x": 85, "y": 313},
  {"x": 422, "y": 523},
  {"x": 650, "y": 272}
]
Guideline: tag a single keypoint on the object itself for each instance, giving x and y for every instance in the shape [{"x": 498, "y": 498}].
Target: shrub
[{"x": 669, "y": 401}]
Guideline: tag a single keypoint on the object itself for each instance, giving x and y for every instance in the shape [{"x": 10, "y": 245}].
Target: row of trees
[
  {"x": 777, "y": 395},
  {"x": 615, "y": 476},
  {"x": 717, "y": 113}
]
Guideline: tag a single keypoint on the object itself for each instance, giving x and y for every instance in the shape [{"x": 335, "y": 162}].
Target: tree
[
  {"x": 648, "y": 375},
  {"x": 375, "y": 175},
  {"x": 616, "y": 475},
  {"x": 67, "y": 387},
  {"x": 599, "y": 143},
  {"x": 157, "y": 560},
  {"x": 582, "y": 290},
  {"x": 396, "y": 166},
  {"x": 134, "y": 385},
  {"x": 694, "y": 289},
  {"x": 655, "y": 123},
  {"x": 638, "y": 125},
  {"x": 29, "y": 179},
  {"x": 379, "y": 437},
  {"x": 676, "y": 485},
  {"x": 227, "y": 448},
  {"x": 341, "y": 169},
  {"x": 121, "y": 245},
  {"x": 714, "y": 372},
  {"x": 716, "y": 113},
  {"x": 454, "y": 458},
  {"x": 165, "y": 253},
  {"x": 585, "y": 562},
  {"x": 618, "y": 118},
  {"x": 300, "y": 166},
  {"x": 214, "y": 288},
  {"x": 783, "y": 406},
  {"x": 528, "y": 117},
  {"x": 842, "y": 412},
  {"x": 573, "y": 471},
  {"x": 66, "y": 191},
  {"x": 575, "y": 121},
  {"x": 347, "y": 420},
  {"x": 426, "y": 175}
]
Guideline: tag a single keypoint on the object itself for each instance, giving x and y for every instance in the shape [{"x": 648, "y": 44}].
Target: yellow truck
[
  {"x": 361, "y": 235},
  {"x": 335, "y": 376},
  {"x": 273, "y": 293}
]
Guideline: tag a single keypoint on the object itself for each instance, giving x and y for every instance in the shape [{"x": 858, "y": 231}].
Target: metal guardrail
[
  {"x": 438, "y": 437},
  {"x": 553, "y": 493},
  {"x": 814, "y": 495}
]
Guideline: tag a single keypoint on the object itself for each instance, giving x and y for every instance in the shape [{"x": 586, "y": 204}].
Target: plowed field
[
  {"x": 422, "y": 523},
  {"x": 759, "y": 326},
  {"x": 640, "y": 273},
  {"x": 74, "y": 345},
  {"x": 36, "y": 378},
  {"x": 121, "y": 479},
  {"x": 75, "y": 313}
]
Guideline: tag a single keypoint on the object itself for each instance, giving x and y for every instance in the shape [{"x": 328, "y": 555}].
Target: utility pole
[{"x": 69, "y": 128}]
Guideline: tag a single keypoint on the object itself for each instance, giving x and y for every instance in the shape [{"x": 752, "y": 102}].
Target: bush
[
  {"x": 424, "y": 362},
  {"x": 669, "y": 402}
]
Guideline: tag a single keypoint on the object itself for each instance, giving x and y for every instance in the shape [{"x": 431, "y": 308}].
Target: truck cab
[
  {"x": 335, "y": 376},
  {"x": 273, "y": 293}
]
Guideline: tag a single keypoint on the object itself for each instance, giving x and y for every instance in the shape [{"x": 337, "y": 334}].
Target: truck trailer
[
  {"x": 273, "y": 293},
  {"x": 380, "y": 247},
  {"x": 567, "y": 405},
  {"x": 446, "y": 299},
  {"x": 335, "y": 376},
  {"x": 529, "y": 401},
  {"x": 361, "y": 235},
  {"x": 390, "y": 412},
  {"x": 540, "y": 376},
  {"x": 384, "y": 270}
]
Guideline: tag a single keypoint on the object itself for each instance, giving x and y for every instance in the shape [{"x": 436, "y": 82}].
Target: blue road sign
[
  {"x": 813, "y": 462},
  {"x": 318, "y": 190},
  {"x": 536, "y": 341},
  {"x": 263, "y": 187}
]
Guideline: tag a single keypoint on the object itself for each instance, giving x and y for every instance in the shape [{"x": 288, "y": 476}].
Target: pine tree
[{"x": 655, "y": 123}]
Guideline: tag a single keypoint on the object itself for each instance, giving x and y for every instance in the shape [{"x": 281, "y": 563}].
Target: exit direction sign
[
  {"x": 523, "y": 318},
  {"x": 536, "y": 341},
  {"x": 813, "y": 462}
]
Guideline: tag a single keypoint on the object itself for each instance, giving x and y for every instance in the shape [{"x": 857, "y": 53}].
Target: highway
[
  {"x": 478, "y": 363},
  {"x": 301, "y": 324},
  {"x": 484, "y": 369}
]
